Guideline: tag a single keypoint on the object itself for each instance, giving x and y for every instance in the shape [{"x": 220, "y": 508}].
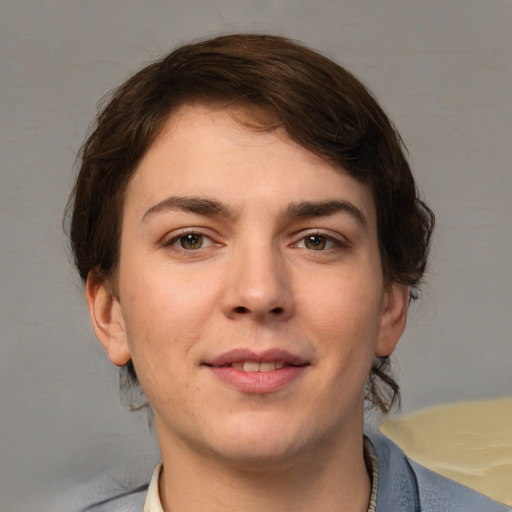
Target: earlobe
[
  {"x": 107, "y": 320},
  {"x": 393, "y": 318}
]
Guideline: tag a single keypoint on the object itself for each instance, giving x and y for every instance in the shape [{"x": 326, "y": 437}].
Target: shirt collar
[
  {"x": 372, "y": 466},
  {"x": 153, "y": 503}
]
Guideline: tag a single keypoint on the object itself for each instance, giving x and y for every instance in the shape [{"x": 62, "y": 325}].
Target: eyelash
[
  {"x": 331, "y": 241},
  {"x": 175, "y": 239},
  {"x": 328, "y": 239}
]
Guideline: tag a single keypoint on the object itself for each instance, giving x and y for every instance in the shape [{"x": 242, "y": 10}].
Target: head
[{"x": 268, "y": 83}]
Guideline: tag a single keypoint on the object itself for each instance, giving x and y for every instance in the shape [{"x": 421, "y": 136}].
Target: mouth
[
  {"x": 248, "y": 361},
  {"x": 255, "y": 373}
]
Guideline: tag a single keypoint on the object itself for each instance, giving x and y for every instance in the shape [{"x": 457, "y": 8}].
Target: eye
[
  {"x": 317, "y": 243},
  {"x": 190, "y": 241}
]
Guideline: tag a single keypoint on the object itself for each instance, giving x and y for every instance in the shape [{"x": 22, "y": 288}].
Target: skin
[{"x": 255, "y": 273}]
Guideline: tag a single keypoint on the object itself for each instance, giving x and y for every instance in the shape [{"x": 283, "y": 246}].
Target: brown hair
[{"x": 319, "y": 104}]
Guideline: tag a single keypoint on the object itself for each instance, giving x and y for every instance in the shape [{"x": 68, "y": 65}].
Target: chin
[
  {"x": 260, "y": 457},
  {"x": 258, "y": 444}
]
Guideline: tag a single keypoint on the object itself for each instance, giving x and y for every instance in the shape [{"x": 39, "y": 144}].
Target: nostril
[{"x": 241, "y": 310}]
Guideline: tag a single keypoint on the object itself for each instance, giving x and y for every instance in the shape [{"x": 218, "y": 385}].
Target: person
[{"x": 250, "y": 236}]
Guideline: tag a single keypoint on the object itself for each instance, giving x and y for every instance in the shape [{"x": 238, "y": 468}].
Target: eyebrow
[
  {"x": 199, "y": 205},
  {"x": 324, "y": 209},
  {"x": 303, "y": 209}
]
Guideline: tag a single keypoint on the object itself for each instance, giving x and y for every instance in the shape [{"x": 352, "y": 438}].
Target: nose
[{"x": 258, "y": 286}]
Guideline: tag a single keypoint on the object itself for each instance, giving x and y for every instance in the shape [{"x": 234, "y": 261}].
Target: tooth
[
  {"x": 251, "y": 366},
  {"x": 237, "y": 365},
  {"x": 267, "y": 367},
  {"x": 279, "y": 365}
]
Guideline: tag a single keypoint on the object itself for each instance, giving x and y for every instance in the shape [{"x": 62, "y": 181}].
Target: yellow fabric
[{"x": 469, "y": 442}]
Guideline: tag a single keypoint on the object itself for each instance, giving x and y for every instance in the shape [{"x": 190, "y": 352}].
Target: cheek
[
  {"x": 160, "y": 301},
  {"x": 165, "y": 317},
  {"x": 344, "y": 319},
  {"x": 166, "y": 323},
  {"x": 344, "y": 308}
]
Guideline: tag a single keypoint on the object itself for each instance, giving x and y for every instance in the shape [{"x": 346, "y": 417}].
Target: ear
[
  {"x": 107, "y": 319},
  {"x": 395, "y": 302}
]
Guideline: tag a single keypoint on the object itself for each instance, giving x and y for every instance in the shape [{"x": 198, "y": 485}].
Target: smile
[
  {"x": 262, "y": 373},
  {"x": 247, "y": 360}
]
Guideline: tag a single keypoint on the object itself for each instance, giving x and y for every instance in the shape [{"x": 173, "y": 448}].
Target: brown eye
[
  {"x": 191, "y": 241},
  {"x": 315, "y": 242}
]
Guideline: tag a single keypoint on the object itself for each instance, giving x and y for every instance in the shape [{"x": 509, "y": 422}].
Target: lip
[
  {"x": 257, "y": 382},
  {"x": 242, "y": 354}
]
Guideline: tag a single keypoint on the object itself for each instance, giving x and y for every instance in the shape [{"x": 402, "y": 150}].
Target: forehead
[{"x": 223, "y": 152}]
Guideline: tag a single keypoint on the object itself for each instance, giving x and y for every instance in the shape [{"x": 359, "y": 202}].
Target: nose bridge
[{"x": 259, "y": 284}]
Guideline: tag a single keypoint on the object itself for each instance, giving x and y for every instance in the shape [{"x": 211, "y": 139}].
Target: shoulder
[
  {"x": 437, "y": 491},
  {"x": 407, "y": 486}
]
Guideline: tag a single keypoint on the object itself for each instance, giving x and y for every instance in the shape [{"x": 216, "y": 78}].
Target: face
[{"x": 251, "y": 296}]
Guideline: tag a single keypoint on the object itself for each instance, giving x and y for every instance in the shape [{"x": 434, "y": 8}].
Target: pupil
[
  {"x": 315, "y": 242},
  {"x": 191, "y": 241}
]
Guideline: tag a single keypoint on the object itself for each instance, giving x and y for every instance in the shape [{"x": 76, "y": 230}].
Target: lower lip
[{"x": 258, "y": 382}]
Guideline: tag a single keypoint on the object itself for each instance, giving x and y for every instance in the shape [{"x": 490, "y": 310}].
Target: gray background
[{"x": 441, "y": 68}]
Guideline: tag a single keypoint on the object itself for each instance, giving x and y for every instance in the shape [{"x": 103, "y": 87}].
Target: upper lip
[{"x": 242, "y": 355}]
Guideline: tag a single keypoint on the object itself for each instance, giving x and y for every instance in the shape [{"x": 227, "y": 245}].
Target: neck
[{"x": 331, "y": 478}]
